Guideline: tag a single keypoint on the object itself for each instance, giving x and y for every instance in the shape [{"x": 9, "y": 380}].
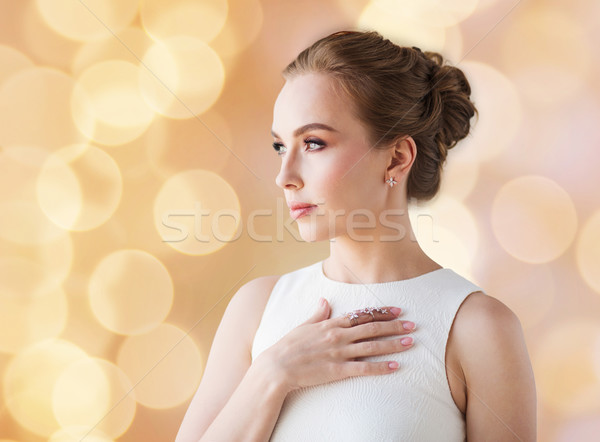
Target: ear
[{"x": 402, "y": 155}]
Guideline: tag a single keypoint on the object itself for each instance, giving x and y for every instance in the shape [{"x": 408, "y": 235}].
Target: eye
[
  {"x": 277, "y": 147},
  {"x": 313, "y": 144}
]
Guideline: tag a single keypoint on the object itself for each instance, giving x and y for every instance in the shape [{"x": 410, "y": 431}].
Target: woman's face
[{"x": 326, "y": 159}]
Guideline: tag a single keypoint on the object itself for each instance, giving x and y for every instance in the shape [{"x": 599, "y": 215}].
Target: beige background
[{"x": 121, "y": 120}]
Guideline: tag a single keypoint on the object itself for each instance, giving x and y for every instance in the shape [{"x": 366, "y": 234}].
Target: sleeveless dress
[{"x": 414, "y": 403}]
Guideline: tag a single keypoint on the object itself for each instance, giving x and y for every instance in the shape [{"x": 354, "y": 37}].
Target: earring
[{"x": 391, "y": 181}]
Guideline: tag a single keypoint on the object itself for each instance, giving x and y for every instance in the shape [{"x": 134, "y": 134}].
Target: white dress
[{"x": 414, "y": 403}]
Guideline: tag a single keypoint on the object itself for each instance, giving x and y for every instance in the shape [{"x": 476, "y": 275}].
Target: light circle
[
  {"x": 29, "y": 381},
  {"x": 130, "y": 292},
  {"x": 570, "y": 384},
  {"x": 79, "y": 187},
  {"x": 534, "y": 219},
  {"x": 108, "y": 93},
  {"x": 94, "y": 393},
  {"x": 197, "y": 212},
  {"x": 89, "y": 20},
  {"x": 588, "y": 252},
  {"x": 164, "y": 364},
  {"x": 181, "y": 77},
  {"x": 201, "y": 19},
  {"x": 29, "y": 311}
]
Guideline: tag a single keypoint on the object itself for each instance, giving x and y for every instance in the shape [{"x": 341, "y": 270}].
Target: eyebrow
[{"x": 307, "y": 127}]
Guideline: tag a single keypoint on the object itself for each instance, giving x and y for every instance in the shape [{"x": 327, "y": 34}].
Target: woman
[{"x": 363, "y": 126}]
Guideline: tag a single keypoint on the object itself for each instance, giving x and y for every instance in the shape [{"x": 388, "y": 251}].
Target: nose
[{"x": 289, "y": 176}]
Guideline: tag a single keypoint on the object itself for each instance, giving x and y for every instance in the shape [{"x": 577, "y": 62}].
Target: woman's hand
[{"x": 323, "y": 350}]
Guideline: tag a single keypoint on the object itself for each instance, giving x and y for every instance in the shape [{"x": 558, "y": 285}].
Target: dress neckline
[{"x": 322, "y": 276}]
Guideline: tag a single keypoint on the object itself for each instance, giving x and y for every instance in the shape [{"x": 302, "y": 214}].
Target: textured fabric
[{"x": 413, "y": 403}]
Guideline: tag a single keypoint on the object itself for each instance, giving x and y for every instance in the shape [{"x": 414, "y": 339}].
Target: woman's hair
[{"x": 397, "y": 91}]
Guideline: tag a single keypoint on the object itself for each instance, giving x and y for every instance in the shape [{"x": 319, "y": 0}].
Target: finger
[
  {"x": 364, "y": 368},
  {"x": 386, "y": 328},
  {"x": 378, "y": 347},
  {"x": 321, "y": 313},
  {"x": 362, "y": 316}
]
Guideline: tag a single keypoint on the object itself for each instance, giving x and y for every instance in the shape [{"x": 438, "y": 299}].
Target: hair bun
[{"x": 452, "y": 107}]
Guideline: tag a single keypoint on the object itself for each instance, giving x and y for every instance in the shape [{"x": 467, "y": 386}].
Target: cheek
[
  {"x": 346, "y": 168},
  {"x": 326, "y": 183},
  {"x": 347, "y": 180}
]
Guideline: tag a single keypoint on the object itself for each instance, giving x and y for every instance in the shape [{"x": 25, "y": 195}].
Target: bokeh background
[{"x": 137, "y": 193}]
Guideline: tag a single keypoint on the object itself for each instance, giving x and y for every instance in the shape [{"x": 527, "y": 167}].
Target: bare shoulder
[
  {"x": 479, "y": 308},
  {"x": 485, "y": 321},
  {"x": 250, "y": 301},
  {"x": 493, "y": 356}
]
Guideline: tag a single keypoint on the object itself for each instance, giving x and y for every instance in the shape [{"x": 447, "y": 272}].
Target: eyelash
[{"x": 278, "y": 146}]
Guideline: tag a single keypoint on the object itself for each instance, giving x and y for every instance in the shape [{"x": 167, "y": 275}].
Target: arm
[
  {"x": 501, "y": 396},
  {"x": 236, "y": 399},
  {"x": 252, "y": 410}
]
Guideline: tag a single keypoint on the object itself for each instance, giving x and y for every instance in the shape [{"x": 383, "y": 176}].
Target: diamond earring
[{"x": 391, "y": 181}]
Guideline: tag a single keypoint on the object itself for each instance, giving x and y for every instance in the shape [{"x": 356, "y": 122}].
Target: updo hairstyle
[{"x": 396, "y": 91}]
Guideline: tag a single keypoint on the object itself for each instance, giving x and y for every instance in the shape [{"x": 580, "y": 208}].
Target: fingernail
[
  {"x": 408, "y": 325},
  {"x": 406, "y": 341},
  {"x": 393, "y": 365},
  {"x": 395, "y": 311}
]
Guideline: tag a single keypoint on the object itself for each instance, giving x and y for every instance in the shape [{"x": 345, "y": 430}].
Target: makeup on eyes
[{"x": 309, "y": 140}]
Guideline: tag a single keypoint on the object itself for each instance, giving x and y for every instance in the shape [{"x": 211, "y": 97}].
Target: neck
[{"x": 355, "y": 260}]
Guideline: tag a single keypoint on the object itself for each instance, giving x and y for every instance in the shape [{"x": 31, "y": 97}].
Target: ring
[{"x": 353, "y": 315}]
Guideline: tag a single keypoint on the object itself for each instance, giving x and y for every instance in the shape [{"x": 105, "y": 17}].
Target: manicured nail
[
  {"x": 395, "y": 311},
  {"x": 406, "y": 341},
  {"x": 408, "y": 325},
  {"x": 393, "y": 365}
]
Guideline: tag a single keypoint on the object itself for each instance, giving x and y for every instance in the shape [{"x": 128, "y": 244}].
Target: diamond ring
[{"x": 353, "y": 315}]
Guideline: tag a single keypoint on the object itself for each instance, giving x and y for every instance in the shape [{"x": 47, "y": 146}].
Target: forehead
[{"x": 310, "y": 98}]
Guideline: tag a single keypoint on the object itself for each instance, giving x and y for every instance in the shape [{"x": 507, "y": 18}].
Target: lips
[
  {"x": 299, "y": 209},
  {"x": 295, "y": 205},
  {"x": 300, "y": 212}
]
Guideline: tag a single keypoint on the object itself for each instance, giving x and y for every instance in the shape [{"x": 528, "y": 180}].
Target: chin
[{"x": 311, "y": 231}]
